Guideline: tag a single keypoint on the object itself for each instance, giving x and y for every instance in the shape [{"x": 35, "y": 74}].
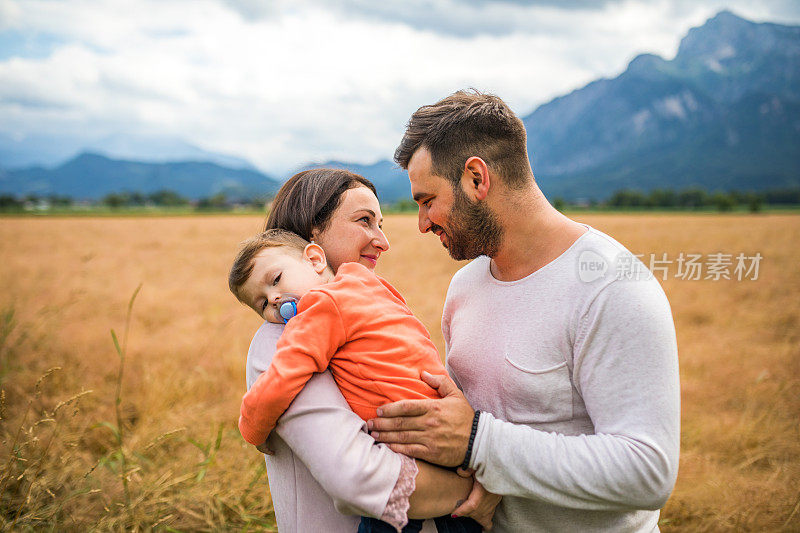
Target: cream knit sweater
[{"x": 576, "y": 369}]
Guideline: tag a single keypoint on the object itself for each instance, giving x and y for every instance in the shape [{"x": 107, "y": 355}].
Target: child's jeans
[{"x": 444, "y": 524}]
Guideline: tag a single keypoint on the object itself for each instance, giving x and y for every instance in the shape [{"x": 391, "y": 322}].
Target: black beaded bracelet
[{"x": 468, "y": 456}]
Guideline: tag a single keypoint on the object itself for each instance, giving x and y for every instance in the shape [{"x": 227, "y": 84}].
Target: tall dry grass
[
  {"x": 149, "y": 444},
  {"x": 145, "y": 436}
]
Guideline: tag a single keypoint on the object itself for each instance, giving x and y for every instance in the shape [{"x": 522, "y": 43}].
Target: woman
[{"x": 326, "y": 470}]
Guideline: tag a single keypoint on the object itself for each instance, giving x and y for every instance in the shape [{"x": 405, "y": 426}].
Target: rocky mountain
[
  {"x": 92, "y": 176},
  {"x": 723, "y": 114}
]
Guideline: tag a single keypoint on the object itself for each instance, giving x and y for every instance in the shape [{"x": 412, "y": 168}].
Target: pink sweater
[{"x": 322, "y": 484}]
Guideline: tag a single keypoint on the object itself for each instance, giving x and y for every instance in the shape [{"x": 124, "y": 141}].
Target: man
[{"x": 562, "y": 343}]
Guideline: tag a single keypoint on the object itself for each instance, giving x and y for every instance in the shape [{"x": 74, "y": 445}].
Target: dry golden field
[{"x": 170, "y": 456}]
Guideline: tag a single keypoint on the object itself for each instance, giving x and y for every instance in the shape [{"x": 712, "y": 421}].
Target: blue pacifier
[{"x": 287, "y": 310}]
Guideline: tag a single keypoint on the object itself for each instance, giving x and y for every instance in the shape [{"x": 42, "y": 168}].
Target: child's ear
[{"x": 314, "y": 253}]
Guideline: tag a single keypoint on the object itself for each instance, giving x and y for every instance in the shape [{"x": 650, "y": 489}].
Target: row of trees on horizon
[
  {"x": 695, "y": 198},
  {"x": 625, "y": 199}
]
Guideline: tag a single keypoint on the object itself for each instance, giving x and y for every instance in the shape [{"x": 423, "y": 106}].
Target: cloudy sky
[{"x": 285, "y": 82}]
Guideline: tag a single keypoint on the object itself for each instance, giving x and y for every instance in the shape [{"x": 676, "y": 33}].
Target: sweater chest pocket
[{"x": 534, "y": 395}]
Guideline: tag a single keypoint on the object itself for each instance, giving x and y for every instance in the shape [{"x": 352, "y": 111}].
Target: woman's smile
[{"x": 372, "y": 259}]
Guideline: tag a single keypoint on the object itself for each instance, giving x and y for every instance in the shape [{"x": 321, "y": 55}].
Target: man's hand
[
  {"x": 480, "y": 506},
  {"x": 436, "y": 431}
]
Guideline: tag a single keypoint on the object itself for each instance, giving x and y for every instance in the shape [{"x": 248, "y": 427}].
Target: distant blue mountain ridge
[
  {"x": 724, "y": 114},
  {"x": 390, "y": 181},
  {"x": 92, "y": 176},
  {"x": 52, "y": 150}
]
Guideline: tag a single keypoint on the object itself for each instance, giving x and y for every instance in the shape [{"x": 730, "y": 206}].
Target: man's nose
[{"x": 424, "y": 222}]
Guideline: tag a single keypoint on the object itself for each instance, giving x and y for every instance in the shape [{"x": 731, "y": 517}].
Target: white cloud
[{"x": 283, "y": 83}]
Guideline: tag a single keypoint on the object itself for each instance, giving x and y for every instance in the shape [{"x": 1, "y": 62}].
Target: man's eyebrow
[{"x": 419, "y": 196}]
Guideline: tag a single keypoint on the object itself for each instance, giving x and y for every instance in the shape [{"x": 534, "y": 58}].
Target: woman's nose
[{"x": 380, "y": 241}]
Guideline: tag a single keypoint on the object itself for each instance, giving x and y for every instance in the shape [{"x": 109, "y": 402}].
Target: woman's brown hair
[{"x": 309, "y": 198}]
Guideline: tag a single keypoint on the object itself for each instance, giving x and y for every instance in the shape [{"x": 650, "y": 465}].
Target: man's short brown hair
[
  {"x": 242, "y": 267},
  {"x": 466, "y": 124}
]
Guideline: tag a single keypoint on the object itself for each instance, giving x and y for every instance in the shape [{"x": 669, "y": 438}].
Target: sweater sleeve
[
  {"x": 306, "y": 347},
  {"x": 626, "y": 370}
]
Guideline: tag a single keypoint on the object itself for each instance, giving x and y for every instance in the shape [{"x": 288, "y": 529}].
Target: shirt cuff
[
  {"x": 251, "y": 434},
  {"x": 396, "y": 511},
  {"x": 481, "y": 437}
]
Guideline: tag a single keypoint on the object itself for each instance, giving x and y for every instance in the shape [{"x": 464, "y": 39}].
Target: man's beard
[{"x": 474, "y": 228}]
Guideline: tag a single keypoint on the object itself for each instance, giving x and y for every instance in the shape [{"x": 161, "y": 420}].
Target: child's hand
[{"x": 264, "y": 448}]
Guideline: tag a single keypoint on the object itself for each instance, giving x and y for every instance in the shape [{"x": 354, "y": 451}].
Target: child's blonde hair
[{"x": 243, "y": 264}]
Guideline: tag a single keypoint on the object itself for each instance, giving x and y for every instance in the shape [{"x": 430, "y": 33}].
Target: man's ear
[
  {"x": 316, "y": 255},
  {"x": 475, "y": 179}
]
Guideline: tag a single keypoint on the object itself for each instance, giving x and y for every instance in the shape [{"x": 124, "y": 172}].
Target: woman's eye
[{"x": 364, "y": 219}]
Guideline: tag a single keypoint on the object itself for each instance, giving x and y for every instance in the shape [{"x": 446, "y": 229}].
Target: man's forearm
[
  {"x": 597, "y": 472},
  {"x": 438, "y": 491}
]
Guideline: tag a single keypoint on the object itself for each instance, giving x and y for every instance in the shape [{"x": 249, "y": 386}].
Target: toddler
[{"x": 353, "y": 323}]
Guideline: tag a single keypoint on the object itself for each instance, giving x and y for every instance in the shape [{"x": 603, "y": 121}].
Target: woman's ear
[
  {"x": 316, "y": 255},
  {"x": 475, "y": 179}
]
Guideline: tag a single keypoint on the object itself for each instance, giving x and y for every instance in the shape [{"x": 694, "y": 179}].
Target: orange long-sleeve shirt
[{"x": 358, "y": 326}]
